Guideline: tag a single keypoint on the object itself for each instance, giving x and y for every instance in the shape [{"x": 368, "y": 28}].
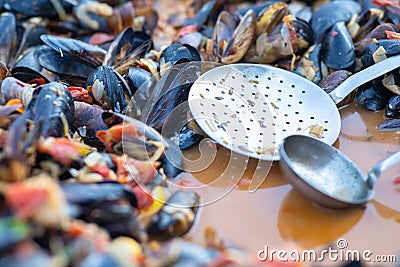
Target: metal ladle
[{"x": 325, "y": 175}]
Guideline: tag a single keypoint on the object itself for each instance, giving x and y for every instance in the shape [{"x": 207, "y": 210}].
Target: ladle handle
[
  {"x": 380, "y": 167},
  {"x": 364, "y": 76}
]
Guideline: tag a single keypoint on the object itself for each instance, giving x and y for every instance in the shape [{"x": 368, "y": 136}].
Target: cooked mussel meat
[{"x": 292, "y": 36}]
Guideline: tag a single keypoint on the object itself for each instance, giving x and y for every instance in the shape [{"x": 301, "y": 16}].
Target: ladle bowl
[{"x": 325, "y": 175}]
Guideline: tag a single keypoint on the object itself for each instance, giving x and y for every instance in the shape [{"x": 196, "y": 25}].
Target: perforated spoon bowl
[
  {"x": 251, "y": 108},
  {"x": 325, "y": 175}
]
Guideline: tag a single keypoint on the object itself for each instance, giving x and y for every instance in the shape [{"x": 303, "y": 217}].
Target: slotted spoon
[{"x": 251, "y": 108}]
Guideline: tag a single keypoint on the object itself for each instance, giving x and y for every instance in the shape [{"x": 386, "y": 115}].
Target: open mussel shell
[
  {"x": 90, "y": 55},
  {"x": 27, "y": 69},
  {"x": 71, "y": 70},
  {"x": 125, "y": 44},
  {"x": 108, "y": 88},
  {"x": 238, "y": 38},
  {"x": 176, "y": 217},
  {"x": 88, "y": 121},
  {"x": 378, "y": 33}
]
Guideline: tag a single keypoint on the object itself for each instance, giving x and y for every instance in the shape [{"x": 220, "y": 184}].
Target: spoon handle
[
  {"x": 364, "y": 76},
  {"x": 381, "y": 166}
]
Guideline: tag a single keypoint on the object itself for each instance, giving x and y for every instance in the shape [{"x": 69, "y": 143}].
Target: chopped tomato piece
[
  {"x": 114, "y": 135},
  {"x": 24, "y": 199}
]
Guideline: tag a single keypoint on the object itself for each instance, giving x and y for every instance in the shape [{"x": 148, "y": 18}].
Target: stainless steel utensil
[
  {"x": 251, "y": 108},
  {"x": 325, "y": 175}
]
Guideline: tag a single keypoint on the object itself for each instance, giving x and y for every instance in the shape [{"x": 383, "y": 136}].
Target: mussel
[
  {"x": 90, "y": 55},
  {"x": 175, "y": 217},
  {"x": 338, "y": 49},
  {"x": 373, "y": 95},
  {"x": 330, "y": 13},
  {"x": 108, "y": 88}
]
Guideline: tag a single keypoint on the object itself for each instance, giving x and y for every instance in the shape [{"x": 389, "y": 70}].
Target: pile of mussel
[{"x": 85, "y": 93}]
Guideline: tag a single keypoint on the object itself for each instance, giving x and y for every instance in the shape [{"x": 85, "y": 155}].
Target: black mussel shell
[
  {"x": 367, "y": 21},
  {"x": 378, "y": 33},
  {"x": 188, "y": 137},
  {"x": 140, "y": 82},
  {"x": 373, "y": 95},
  {"x": 108, "y": 204},
  {"x": 37, "y": 8},
  {"x": 393, "y": 107},
  {"x": 87, "y": 121},
  {"x": 64, "y": 27},
  {"x": 303, "y": 29},
  {"x": 257, "y": 8},
  {"x": 125, "y": 44},
  {"x": 176, "y": 52},
  {"x": 338, "y": 49},
  {"x": 71, "y": 70},
  {"x": 51, "y": 105},
  {"x": 172, "y": 160},
  {"x": 389, "y": 125},
  {"x": 8, "y": 37},
  {"x": 50, "y": 110},
  {"x": 166, "y": 104},
  {"x": 169, "y": 222},
  {"x": 305, "y": 14},
  {"x": 312, "y": 54},
  {"x": 330, "y": 13},
  {"x": 88, "y": 54},
  {"x": 169, "y": 94},
  {"x": 333, "y": 80},
  {"x": 391, "y": 46},
  {"x": 201, "y": 15},
  {"x": 367, "y": 59},
  {"x": 27, "y": 69},
  {"x": 84, "y": 194},
  {"x": 111, "y": 95}
]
